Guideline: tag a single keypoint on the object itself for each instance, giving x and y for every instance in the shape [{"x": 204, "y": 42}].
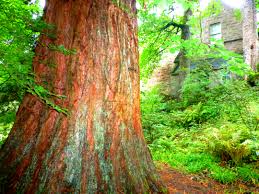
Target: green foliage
[
  {"x": 61, "y": 49},
  {"x": 153, "y": 40},
  {"x": 214, "y": 8},
  {"x": 196, "y": 85},
  {"x": 46, "y": 97},
  {"x": 16, "y": 47},
  {"x": 248, "y": 173},
  {"x": 212, "y": 131},
  {"x": 238, "y": 14},
  {"x": 155, "y": 121},
  {"x": 207, "y": 94},
  {"x": 223, "y": 175},
  {"x": 156, "y": 37},
  {"x": 7, "y": 117},
  {"x": 233, "y": 142},
  {"x": 21, "y": 24},
  {"x": 18, "y": 34}
]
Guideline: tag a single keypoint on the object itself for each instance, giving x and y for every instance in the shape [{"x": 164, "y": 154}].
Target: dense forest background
[{"x": 208, "y": 127}]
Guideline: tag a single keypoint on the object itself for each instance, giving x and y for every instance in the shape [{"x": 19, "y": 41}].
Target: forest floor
[{"x": 180, "y": 183}]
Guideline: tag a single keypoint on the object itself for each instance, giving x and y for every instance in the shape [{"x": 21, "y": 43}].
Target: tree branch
[{"x": 174, "y": 24}]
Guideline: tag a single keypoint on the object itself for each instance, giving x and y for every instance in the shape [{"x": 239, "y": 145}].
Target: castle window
[{"x": 215, "y": 31}]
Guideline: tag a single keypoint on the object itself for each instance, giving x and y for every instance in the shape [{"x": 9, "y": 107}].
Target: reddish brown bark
[{"x": 99, "y": 147}]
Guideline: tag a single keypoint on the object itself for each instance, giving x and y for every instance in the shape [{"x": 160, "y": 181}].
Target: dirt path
[{"x": 179, "y": 183}]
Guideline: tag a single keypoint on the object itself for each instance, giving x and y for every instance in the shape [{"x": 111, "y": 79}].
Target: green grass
[
  {"x": 223, "y": 175},
  {"x": 196, "y": 163},
  {"x": 207, "y": 164},
  {"x": 248, "y": 173}
]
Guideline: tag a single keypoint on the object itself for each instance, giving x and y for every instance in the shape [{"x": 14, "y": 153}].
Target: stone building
[
  {"x": 224, "y": 26},
  {"x": 228, "y": 25},
  {"x": 239, "y": 32}
]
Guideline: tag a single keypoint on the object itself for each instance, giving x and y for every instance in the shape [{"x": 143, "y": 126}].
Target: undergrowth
[{"x": 213, "y": 132}]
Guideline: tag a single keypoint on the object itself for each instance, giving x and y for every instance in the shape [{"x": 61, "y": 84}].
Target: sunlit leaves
[
  {"x": 153, "y": 39},
  {"x": 16, "y": 43},
  {"x": 17, "y": 39}
]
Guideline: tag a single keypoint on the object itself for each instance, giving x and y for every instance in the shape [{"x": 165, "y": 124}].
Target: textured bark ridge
[{"x": 99, "y": 147}]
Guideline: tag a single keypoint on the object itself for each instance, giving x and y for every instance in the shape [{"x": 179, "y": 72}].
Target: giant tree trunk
[
  {"x": 250, "y": 33},
  {"x": 99, "y": 147}
]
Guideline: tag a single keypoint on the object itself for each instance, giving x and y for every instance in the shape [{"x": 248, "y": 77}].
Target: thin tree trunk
[
  {"x": 250, "y": 33},
  {"x": 99, "y": 147},
  {"x": 184, "y": 61}
]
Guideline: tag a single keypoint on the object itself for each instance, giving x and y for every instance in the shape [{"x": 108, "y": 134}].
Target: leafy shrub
[
  {"x": 235, "y": 100},
  {"x": 196, "y": 114},
  {"x": 196, "y": 85},
  {"x": 230, "y": 100},
  {"x": 155, "y": 121},
  {"x": 232, "y": 142}
]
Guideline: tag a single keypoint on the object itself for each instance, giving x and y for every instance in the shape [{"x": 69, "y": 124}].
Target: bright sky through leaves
[
  {"x": 42, "y": 3},
  {"x": 232, "y": 3}
]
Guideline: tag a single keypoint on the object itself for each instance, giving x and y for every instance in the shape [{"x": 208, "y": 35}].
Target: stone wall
[
  {"x": 235, "y": 46},
  {"x": 163, "y": 76}
]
